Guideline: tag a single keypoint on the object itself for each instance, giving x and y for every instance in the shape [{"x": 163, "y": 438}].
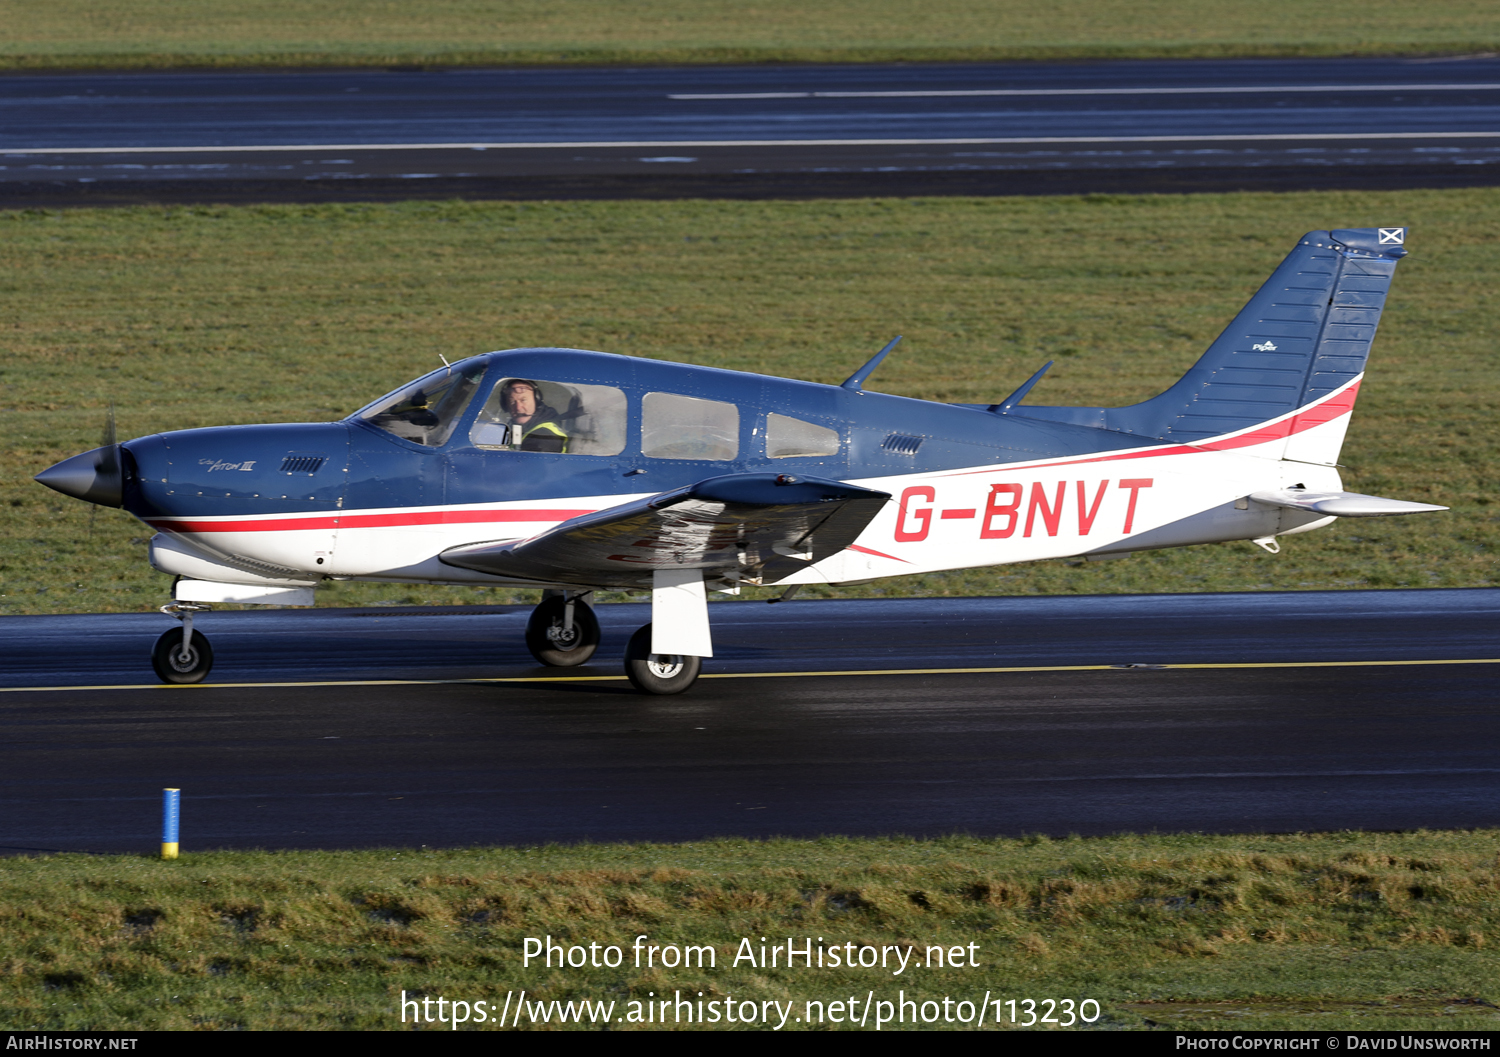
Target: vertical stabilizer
[{"x": 1303, "y": 337}]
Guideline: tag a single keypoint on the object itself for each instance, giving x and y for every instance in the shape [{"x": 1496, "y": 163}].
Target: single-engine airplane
[{"x": 574, "y": 471}]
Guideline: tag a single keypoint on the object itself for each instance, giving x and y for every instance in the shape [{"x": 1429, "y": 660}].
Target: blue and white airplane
[{"x": 574, "y": 471}]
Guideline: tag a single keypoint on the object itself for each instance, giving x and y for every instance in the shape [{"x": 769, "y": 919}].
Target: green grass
[
  {"x": 184, "y": 317},
  {"x": 125, "y": 34},
  {"x": 1330, "y": 931}
]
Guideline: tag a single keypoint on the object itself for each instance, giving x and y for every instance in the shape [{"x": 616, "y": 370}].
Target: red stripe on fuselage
[
  {"x": 1308, "y": 418},
  {"x": 271, "y": 523},
  {"x": 1301, "y": 422},
  {"x": 1297, "y": 422},
  {"x": 867, "y": 550}
]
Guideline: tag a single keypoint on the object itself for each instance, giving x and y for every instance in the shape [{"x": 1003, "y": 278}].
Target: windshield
[{"x": 427, "y": 410}]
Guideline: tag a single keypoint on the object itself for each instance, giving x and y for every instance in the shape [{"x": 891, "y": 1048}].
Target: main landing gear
[
  {"x": 183, "y": 656},
  {"x": 658, "y": 673},
  {"x": 563, "y": 633}
]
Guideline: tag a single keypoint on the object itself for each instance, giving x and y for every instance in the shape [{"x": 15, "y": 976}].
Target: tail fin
[{"x": 1306, "y": 334}]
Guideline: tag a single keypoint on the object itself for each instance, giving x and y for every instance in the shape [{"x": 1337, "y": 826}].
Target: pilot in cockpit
[{"x": 532, "y": 425}]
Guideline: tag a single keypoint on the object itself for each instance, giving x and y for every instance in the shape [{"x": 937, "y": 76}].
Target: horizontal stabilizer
[
  {"x": 1341, "y": 504},
  {"x": 759, "y": 527}
]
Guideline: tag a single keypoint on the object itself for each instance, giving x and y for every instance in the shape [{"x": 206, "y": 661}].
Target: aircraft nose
[{"x": 93, "y": 477}]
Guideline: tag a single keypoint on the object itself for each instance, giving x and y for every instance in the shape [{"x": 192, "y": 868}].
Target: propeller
[
  {"x": 109, "y": 450},
  {"x": 94, "y": 476}
]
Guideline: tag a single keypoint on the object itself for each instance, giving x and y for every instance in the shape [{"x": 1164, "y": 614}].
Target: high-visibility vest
[{"x": 547, "y": 430}]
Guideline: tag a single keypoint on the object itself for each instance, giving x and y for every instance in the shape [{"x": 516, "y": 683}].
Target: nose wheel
[
  {"x": 658, "y": 673},
  {"x": 563, "y": 631},
  {"x": 182, "y": 655}
]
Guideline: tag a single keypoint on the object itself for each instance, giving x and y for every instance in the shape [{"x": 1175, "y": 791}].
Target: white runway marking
[
  {"x": 657, "y": 144},
  {"x": 966, "y": 92}
]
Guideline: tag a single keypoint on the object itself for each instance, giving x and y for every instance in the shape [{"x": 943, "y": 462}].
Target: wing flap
[
  {"x": 1342, "y": 504},
  {"x": 759, "y": 527}
]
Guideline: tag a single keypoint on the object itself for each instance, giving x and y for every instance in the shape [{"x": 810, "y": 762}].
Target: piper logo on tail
[{"x": 1263, "y": 346}]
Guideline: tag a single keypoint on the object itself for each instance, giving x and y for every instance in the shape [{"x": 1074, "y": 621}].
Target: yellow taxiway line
[{"x": 752, "y": 675}]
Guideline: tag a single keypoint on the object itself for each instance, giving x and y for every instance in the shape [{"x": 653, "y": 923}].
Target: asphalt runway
[
  {"x": 748, "y": 131},
  {"x": 1090, "y": 715}
]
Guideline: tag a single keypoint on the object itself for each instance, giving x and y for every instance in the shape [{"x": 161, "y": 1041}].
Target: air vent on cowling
[
  {"x": 901, "y": 444},
  {"x": 308, "y": 464}
]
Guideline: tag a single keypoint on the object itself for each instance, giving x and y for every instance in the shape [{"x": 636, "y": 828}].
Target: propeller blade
[{"x": 109, "y": 452}]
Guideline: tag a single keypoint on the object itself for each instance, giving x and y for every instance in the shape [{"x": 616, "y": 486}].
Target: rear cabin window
[
  {"x": 788, "y": 437},
  {"x": 427, "y": 410},
  {"x": 538, "y": 414},
  {"x": 688, "y": 427}
]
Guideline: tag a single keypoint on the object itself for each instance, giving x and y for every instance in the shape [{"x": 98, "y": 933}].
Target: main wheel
[
  {"x": 172, "y": 667},
  {"x": 550, "y": 645},
  {"x": 658, "y": 673}
]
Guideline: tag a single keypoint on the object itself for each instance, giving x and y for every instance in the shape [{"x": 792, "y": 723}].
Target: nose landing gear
[{"x": 183, "y": 656}]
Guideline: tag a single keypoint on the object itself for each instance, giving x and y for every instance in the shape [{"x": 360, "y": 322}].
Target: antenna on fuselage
[
  {"x": 446, "y": 363},
  {"x": 1020, "y": 394},
  {"x": 856, "y": 380}
]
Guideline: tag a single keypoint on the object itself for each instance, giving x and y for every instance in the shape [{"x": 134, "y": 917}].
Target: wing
[{"x": 758, "y": 527}]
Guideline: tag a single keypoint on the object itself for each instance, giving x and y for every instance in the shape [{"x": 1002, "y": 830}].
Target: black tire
[
  {"x": 545, "y": 640},
  {"x": 655, "y": 673},
  {"x": 167, "y": 660}
]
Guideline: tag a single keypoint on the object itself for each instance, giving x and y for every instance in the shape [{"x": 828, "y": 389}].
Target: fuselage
[{"x": 439, "y": 463}]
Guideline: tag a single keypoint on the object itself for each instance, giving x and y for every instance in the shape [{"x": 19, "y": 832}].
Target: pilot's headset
[
  {"x": 515, "y": 430},
  {"x": 511, "y": 383}
]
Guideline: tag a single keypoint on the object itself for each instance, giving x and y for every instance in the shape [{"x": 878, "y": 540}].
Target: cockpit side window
[
  {"x": 427, "y": 410},
  {"x": 535, "y": 414},
  {"x": 788, "y": 437},
  {"x": 689, "y": 427}
]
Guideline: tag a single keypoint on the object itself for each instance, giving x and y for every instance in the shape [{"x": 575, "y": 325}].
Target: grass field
[
  {"x": 184, "y": 317},
  {"x": 126, "y": 34},
  {"x": 1344, "y": 930}
]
